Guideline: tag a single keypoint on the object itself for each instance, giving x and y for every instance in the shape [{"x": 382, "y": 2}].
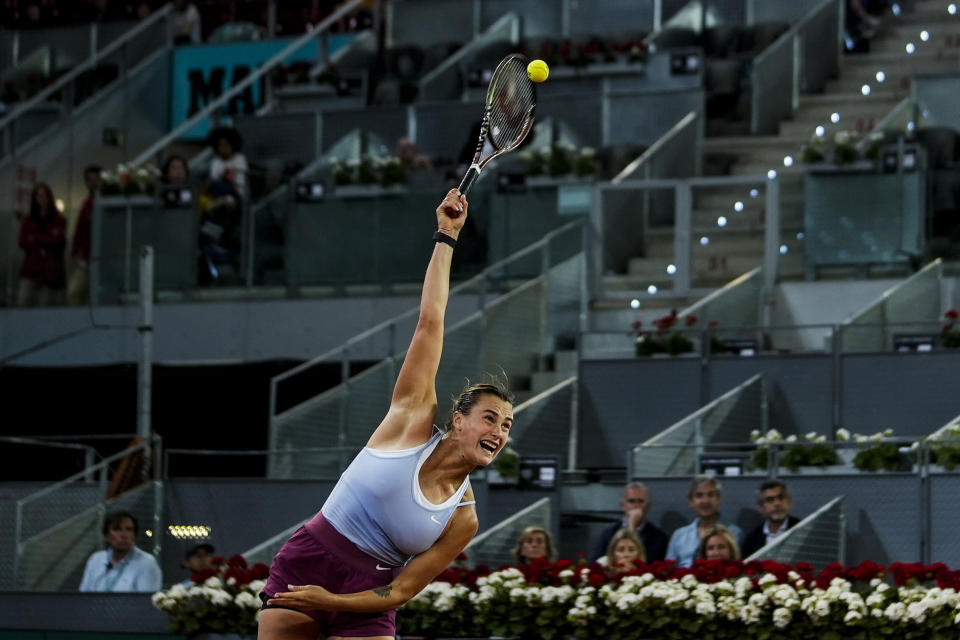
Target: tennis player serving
[{"x": 401, "y": 512}]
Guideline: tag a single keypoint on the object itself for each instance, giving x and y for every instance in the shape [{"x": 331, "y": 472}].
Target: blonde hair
[
  {"x": 722, "y": 531},
  {"x": 526, "y": 533},
  {"x": 624, "y": 534}
]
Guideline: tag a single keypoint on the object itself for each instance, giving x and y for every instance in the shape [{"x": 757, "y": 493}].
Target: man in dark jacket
[
  {"x": 774, "y": 502},
  {"x": 635, "y": 503}
]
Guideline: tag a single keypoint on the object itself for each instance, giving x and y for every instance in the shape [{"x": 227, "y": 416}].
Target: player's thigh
[{"x": 286, "y": 624}]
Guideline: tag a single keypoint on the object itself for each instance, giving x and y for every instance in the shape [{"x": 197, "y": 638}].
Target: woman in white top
[{"x": 383, "y": 535}]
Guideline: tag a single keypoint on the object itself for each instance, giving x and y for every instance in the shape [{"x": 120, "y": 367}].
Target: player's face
[{"x": 485, "y": 430}]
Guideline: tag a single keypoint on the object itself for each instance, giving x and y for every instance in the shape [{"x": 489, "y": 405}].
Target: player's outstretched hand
[
  {"x": 304, "y": 598},
  {"x": 452, "y": 213}
]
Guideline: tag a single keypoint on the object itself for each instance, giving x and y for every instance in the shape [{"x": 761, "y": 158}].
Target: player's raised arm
[{"x": 414, "y": 402}]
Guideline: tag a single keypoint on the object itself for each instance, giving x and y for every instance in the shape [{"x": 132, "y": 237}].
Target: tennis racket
[{"x": 507, "y": 117}]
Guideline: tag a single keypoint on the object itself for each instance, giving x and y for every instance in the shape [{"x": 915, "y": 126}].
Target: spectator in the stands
[
  {"x": 197, "y": 559},
  {"x": 121, "y": 566},
  {"x": 534, "y": 543},
  {"x": 635, "y": 504},
  {"x": 718, "y": 544},
  {"x": 185, "y": 23},
  {"x": 80, "y": 247},
  {"x": 704, "y": 498},
  {"x": 175, "y": 172},
  {"x": 143, "y": 10},
  {"x": 43, "y": 238},
  {"x": 410, "y": 160},
  {"x": 774, "y": 502},
  {"x": 624, "y": 548},
  {"x": 221, "y": 206},
  {"x": 862, "y": 22}
]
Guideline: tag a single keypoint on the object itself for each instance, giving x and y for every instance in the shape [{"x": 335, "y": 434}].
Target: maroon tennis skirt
[{"x": 318, "y": 554}]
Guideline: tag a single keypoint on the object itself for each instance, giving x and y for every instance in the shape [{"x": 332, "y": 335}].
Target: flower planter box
[{"x": 367, "y": 191}]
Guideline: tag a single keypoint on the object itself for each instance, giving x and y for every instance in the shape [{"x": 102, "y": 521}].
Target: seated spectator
[
  {"x": 175, "y": 172},
  {"x": 635, "y": 504},
  {"x": 704, "y": 499},
  {"x": 774, "y": 501},
  {"x": 862, "y": 21},
  {"x": 80, "y": 247},
  {"x": 121, "y": 566},
  {"x": 197, "y": 559},
  {"x": 185, "y": 23},
  {"x": 534, "y": 543},
  {"x": 221, "y": 205},
  {"x": 43, "y": 238},
  {"x": 410, "y": 160},
  {"x": 718, "y": 544},
  {"x": 175, "y": 188},
  {"x": 624, "y": 548}
]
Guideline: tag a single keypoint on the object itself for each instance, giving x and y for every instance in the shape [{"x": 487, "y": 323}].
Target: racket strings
[{"x": 512, "y": 97}]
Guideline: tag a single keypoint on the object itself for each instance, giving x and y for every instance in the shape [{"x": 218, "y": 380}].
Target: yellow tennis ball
[{"x": 538, "y": 70}]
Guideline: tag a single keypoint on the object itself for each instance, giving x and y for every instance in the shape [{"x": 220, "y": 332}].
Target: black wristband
[{"x": 439, "y": 236}]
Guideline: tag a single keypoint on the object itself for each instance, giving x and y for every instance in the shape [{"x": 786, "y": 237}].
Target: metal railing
[
  {"x": 677, "y": 449},
  {"x": 736, "y": 304},
  {"x": 442, "y": 82},
  {"x": 65, "y": 84},
  {"x": 911, "y": 305},
  {"x": 678, "y": 154},
  {"x": 52, "y": 524},
  {"x": 494, "y": 547},
  {"x": 620, "y": 228},
  {"x": 800, "y": 60},
  {"x": 820, "y": 539},
  {"x": 547, "y": 423},
  {"x": 259, "y": 74},
  {"x": 523, "y": 303}
]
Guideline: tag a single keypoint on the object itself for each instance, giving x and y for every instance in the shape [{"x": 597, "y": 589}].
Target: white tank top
[{"x": 377, "y": 504}]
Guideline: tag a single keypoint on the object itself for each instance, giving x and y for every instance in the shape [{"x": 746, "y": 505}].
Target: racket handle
[{"x": 468, "y": 179}]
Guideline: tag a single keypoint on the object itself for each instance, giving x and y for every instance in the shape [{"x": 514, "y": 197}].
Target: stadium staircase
[{"x": 733, "y": 248}]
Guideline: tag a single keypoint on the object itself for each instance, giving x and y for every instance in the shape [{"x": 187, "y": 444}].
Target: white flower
[
  {"x": 791, "y": 438},
  {"x": 246, "y": 599},
  {"x": 766, "y": 579},
  {"x": 781, "y": 617},
  {"x": 852, "y": 615},
  {"x": 895, "y": 611},
  {"x": 213, "y": 582},
  {"x": 822, "y": 608},
  {"x": 843, "y": 435}
]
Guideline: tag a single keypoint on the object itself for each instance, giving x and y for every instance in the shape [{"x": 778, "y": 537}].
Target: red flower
[
  {"x": 596, "y": 579},
  {"x": 238, "y": 561},
  {"x": 953, "y": 314},
  {"x": 240, "y": 575},
  {"x": 201, "y": 576},
  {"x": 713, "y": 324},
  {"x": 690, "y": 320},
  {"x": 217, "y": 560},
  {"x": 259, "y": 571}
]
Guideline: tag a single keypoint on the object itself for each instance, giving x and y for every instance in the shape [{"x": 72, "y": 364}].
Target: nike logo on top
[
  {"x": 434, "y": 518},
  {"x": 383, "y": 568}
]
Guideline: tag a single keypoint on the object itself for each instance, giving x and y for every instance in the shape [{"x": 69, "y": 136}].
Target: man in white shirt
[
  {"x": 121, "y": 566},
  {"x": 185, "y": 23},
  {"x": 774, "y": 502}
]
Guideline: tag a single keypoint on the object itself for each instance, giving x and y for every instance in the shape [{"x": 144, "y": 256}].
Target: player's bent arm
[{"x": 414, "y": 577}]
